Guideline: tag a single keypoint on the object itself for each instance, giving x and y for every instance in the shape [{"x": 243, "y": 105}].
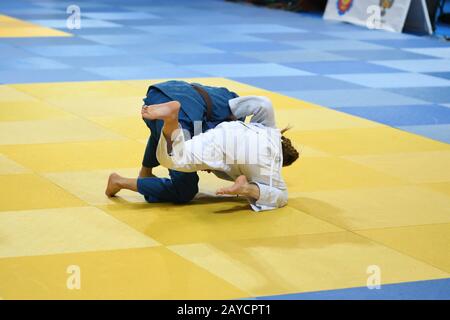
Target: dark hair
[{"x": 290, "y": 154}]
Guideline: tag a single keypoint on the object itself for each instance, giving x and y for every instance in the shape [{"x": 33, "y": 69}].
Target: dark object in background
[
  {"x": 291, "y": 5},
  {"x": 432, "y": 6},
  {"x": 435, "y": 8},
  {"x": 444, "y": 17}
]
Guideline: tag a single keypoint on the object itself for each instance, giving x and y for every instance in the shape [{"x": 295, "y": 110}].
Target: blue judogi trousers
[{"x": 181, "y": 187}]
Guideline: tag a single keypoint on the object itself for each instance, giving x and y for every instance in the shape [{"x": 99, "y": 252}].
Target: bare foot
[
  {"x": 113, "y": 185},
  {"x": 161, "y": 111},
  {"x": 239, "y": 187}
]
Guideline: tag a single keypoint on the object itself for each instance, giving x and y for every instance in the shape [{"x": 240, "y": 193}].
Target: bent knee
[{"x": 185, "y": 196}]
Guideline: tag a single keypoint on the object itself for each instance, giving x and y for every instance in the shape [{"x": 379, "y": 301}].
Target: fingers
[
  {"x": 230, "y": 191},
  {"x": 221, "y": 191}
]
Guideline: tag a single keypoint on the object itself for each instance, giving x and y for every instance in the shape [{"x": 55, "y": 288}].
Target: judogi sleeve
[
  {"x": 269, "y": 198},
  {"x": 185, "y": 156},
  {"x": 259, "y": 107}
]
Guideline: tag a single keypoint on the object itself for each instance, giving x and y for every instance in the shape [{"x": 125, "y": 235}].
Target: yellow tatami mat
[
  {"x": 362, "y": 194},
  {"x": 15, "y": 28}
]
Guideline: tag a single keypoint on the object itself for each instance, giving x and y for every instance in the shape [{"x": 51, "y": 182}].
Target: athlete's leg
[{"x": 168, "y": 112}]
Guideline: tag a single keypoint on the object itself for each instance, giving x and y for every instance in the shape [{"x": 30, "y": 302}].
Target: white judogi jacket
[{"x": 235, "y": 148}]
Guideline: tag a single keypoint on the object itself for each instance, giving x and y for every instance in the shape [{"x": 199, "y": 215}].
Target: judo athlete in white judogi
[{"x": 251, "y": 154}]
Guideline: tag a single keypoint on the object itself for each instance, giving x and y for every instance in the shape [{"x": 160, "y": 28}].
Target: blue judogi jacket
[{"x": 181, "y": 187}]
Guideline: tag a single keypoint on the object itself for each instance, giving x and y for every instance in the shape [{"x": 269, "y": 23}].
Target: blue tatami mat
[
  {"x": 367, "y": 73},
  {"x": 418, "y": 290},
  {"x": 403, "y": 115}
]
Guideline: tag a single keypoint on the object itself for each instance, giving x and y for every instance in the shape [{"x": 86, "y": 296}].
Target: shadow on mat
[
  {"x": 239, "y": 204},
  {"x": 321, "y": 210},
  {"x": 314, "y": 207}
]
